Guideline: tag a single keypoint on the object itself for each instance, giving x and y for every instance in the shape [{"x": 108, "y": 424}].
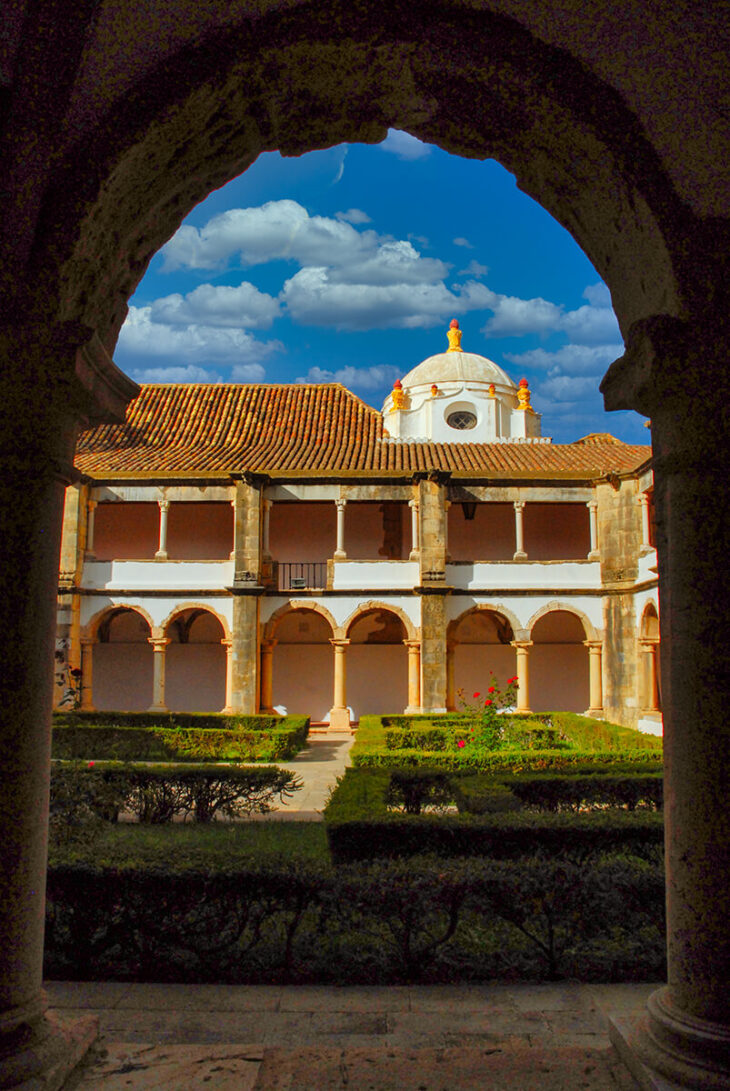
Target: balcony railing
[{"x": 301, "y": 575}]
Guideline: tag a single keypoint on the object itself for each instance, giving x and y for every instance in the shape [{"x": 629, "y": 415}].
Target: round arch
[
  {"x": 411, "y": 631},
  {"x": 559, "y": 659},
  {"x": 479, "y": 647},
  {"x": 185, "y": 607},
  {"x": 121, "y": 659},
  {"x": 90, "y": 631},
  {"x": 591, "y": 633},
  {"x": 270, "y": 627},
  {"x": 199, "y": 115},
  {"x": 649, "y": 621},
  {"x": 195, "y": 659},
  {"x": 489, "y": 607}
]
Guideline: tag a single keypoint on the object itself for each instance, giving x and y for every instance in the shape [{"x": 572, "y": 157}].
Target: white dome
[{"x": 460, "y": 367}]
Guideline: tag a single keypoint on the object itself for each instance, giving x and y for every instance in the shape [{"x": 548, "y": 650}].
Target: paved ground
[
  {"x": 319, "y": 765},
  {"x": 437, "y": 1038}
]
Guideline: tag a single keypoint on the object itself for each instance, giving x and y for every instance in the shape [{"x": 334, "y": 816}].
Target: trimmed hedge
[
  {"x": 590, "y": 734},
  {"x": 390, "y": 921},
  {"x": 508, "y": 761},
  {"x": 84, "y": 794},
  {"x": 150, "y": 737},
  {"x": 360, "y": 826}
]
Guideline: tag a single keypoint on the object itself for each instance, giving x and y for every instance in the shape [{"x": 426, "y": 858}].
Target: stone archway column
[
  {"x": 595, "y": 675},
  {"x": 340, "y": 713},
  {"x": 650, "y": 648},
  {"x": 676, "y": 373},
  {"x": 643, "y": 502},
  {"x": 161, "y": 554},
  {"x": 450, "y": 683},
  {"x": 87, "y": 675},
  {"x": 594, "y": 554},
  {"x": 415, "y": 541},
  {"x": 90, "y": 526},
  {"x": 414, "y": 675},
  {"x": 519, "y": 554},
  {"x": 522, "y": 648},
  {"x": 159, "y": 647},
  {"x": 42, "y": 405},
  {"x": 340, "y": 554},
  {"x": 267, "y": 675}
]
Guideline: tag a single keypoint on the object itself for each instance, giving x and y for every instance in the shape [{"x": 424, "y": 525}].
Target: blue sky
[{"x": 347, "y": 265}]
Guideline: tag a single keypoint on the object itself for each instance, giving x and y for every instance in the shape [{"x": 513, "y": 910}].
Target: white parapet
[
  {"x": 156, "y": 575},
  {"x": 375, "y": 574},
  {"x": 540, "y": 575}
]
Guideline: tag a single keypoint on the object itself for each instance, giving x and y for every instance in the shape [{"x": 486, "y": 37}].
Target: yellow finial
[
  {"x": 523, "y": 396},
  {"x": 398, "y": 395},
  {"x": 454, "y": 336}
]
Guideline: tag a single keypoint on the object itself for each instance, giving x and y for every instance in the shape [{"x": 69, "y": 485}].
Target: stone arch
[
  {"x": 591, "y": 633},
  {"x": 200, "y": 114},
  {"x": 299, "y": 604},
  {"x": 502, "y": 611},
  {"x": 121, "y": 669},
  {"x": 412, "y": 632},
  {"x": 91, "y": 629},
  {"x": 195, "y": 659},
  {"x": 183, "y": 607},
  {"x": 649, "y": 647},
  {"x": 481, "y": 654},
  {"x": 649, "y": 620}
]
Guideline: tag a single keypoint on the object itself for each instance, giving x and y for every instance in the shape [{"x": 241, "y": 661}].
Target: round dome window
[{"x": 461, "y": 419}]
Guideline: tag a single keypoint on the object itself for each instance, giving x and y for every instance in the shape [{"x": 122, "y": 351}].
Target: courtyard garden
[{"x": 467, "y": 847}]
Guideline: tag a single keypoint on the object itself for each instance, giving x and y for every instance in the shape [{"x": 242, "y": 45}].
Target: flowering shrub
[{"x": 485, "y": 728}]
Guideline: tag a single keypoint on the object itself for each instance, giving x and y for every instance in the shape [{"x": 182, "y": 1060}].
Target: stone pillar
[
  {"x": 66, "y": 379},
  {"x": 340, "y": 554},
  {"x": 242, "y": 686},
  {"x": 339, "y": 713},
  {"x": 266, "y": 529},
  {"x": 247, "y": 530},
  {"x": 433, "y": 653},
  {"x": 159, "y": 647},
  {"x": 595, "y": 667},
  {"x": 522, "y": 648},
  {"x": 87, "y": 676},
  {"x": 643, "y": 502},
  {"x": 90, "y": 526},
  {"x": 676, "y": 372},
  {"x": 519, "y": 555},
  {"x": 414, "y": 675},
  {"x": 650, "y": 649},
  {"x": 267, "y": 675},
  {"x": 415, "y": 546},
  {"x": 228, "y": 707},
  {"x": 161, "y": 554},
  {"x": 450, "y": 685},
  {"x": 594, "y": 554},
  {"x": 447, "y": 508}
]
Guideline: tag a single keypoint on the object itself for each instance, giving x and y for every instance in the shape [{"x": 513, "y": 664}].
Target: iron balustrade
[{"x": 302, "y": 575}]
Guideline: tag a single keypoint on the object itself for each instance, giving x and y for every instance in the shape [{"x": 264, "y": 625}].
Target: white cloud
[
  {"x": 141, "y": 337},
  {"x": 598, "y": 295},
  {"x": 461, "y": 241},
  {"x": 189, "y": 374},
  {"x": 570, "y": 359},
  {"x": 587, "y": 325},
  {"x": 247, "y": 373},
  {"x": 217, "y": 305},
  {"x": 404, "y": 145},
  {"x": 474, "y": 269},
  {"x": 591, "y": 325},
  {"x": 568, "y": 388},
  {"x": 355, "y": 378},
  {"x": 353, "y": 216},
  {"x": 396, "y": 262}
]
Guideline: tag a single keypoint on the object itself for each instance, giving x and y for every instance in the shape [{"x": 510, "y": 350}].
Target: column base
[
  {"x": 596, "y": 713},
  {"x": 339, "y": 555},
  {"x": 414, "y": 555},
  {"x": 594, "y": 555},
  {"x": 160, "y": 555},
  {"x": 433, "y": 711},
  {"x": 666, "y": 1050},
  {"x": 158, "y": 708},
  {"x": 412, "y": 710},
  {"x": 520, "y": 555},
  {"x": 339, "y": 719},
  {"x": 44, "y": 1056}
]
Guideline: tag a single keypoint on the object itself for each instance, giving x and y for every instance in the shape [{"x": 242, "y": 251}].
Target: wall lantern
[{"x": 469, "y": 508}]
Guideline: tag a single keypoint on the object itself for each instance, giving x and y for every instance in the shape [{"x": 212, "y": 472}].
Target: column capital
[
  {"x": 648, "y": 642},
  {"x": 592, "y": 505},
  {"x": 413, "y": 645},
  {"x": 269, "y": 644},
  {"x": 159, "y": 643},
  {"x": 642, "y": 498},
  {"x": 341, "y": 502},
  {"x": 227, "y": 642},
  {"x": 521, "y": 645},
  {"x": 336, "y": 643},
  {"x": 519, "y": 505},
  {"x": 593, "y": 645},
  {"x": 164, "y": 504},
  {"x": 413, "y": 504}
]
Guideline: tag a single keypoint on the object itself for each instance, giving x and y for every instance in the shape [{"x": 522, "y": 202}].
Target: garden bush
[
  {"x": 82, "y": 795},
  {"x": 590, "y": 734},
  {"x": 177, "y": 737}
]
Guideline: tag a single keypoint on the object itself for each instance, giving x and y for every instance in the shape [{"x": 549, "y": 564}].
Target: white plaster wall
[
  {"x": 377, "y": 678},
  {"x": 647, "y": 565},
  {"x": 641, "y": 600},
  {"x": 474, "y": 662},
  {"x": 538, "y": 574},
  {"x": 559, "y": 678},
  {"x": 126, "y": 530},
  {"x": 376, "y": 574},
  {"x": 157, "y": 608},
  {"x": 303, "y": 679},
  {"x": 157, "y": 575},
  {"x": 122, "y": 676},
  {"x": 195, "y": 677}
]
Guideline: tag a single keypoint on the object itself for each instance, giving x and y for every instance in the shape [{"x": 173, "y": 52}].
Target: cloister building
[{"x": 244, "y": 548}]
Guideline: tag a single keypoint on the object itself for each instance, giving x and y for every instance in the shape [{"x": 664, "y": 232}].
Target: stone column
[
  {"x": 450, "y": 686},
  {"x": 266, "y": 529},
  {"x": 415, "y": 546},
  {"x": 522, "y": 647},
  {"x": 161, "y": 554},
  {"x": 228, "y": 707},
  {"x": 66, "y": 380},
  {"x": 242, "y": 685},
  {"x": 643, "y": 501},
  {"x": 87, "y": 676},
  {"x": 414, "y": 675},
  {"x": 519, "y": 555},
  {"x": 159, "y": 647},
  {"x": 676, "y": 373},
  {"x": 595, "y": 668},
  {"x": 433, "y": 653},
  {"x": 594, "y": 554},
  {"x": 90, "y": 522},
  {"x": 340, "y": 554},
  {"x": 447, "y": 508},
  {"x": 339, "y": 713},
  {"x": 267, "y": 675},
  {"x": 650, "y": 649}
]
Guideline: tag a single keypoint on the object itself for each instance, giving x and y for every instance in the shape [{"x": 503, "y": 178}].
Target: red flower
[
  {"x": 487, "y": 702},
  {"x": 461, "y": 743},
  {"x": 90, "y": 764},
  {"x": 476, "y": 695},
  {"x": 491, "y": 689}
]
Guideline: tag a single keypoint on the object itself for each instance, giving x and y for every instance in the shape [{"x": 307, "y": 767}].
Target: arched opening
[
  {"x": 195, "y": 671},
  {"x": 480, "y": 644},
  {"x": 559, "y": 671},
  {"x": 302, "y": 668},
  {"x": 377, "y": 663},
  {"x": 650, "y": 698},
  {"x": 122, "y": 662}
]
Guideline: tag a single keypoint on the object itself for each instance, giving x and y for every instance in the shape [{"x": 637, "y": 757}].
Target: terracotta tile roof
[{"x": 217, "y": 428}]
